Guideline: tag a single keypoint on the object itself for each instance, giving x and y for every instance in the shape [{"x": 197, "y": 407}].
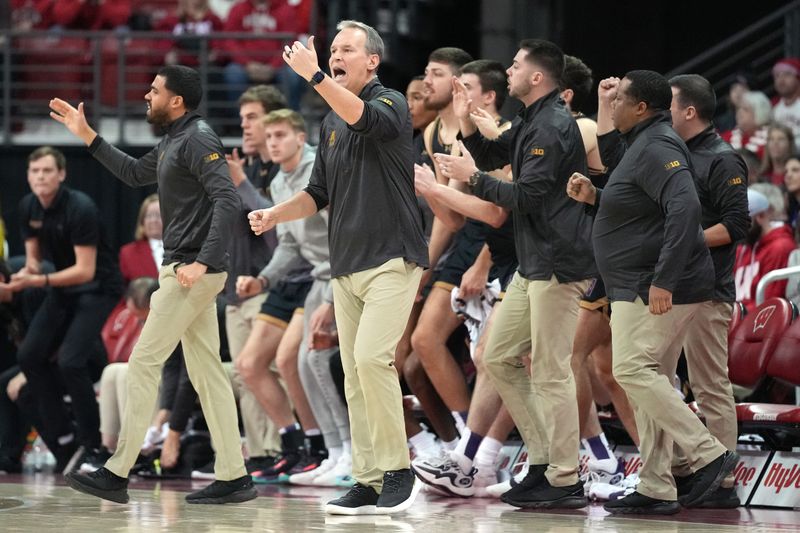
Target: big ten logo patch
[
  {"x": 332, "y": 138},
  {"x": 211, "y": 157},
  {"x": 672, "y": 164},
  {"x": 537, "y": 151},
  {"x": 738, "y": 180},
  {"x": 385, "y": 101},
  {"x": 762, "y": 318}
]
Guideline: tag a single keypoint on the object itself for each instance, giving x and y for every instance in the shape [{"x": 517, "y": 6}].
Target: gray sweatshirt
[{"x": 303, "y": 240}]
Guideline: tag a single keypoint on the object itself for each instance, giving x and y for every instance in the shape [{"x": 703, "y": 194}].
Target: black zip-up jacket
[
  {"x": 365, "y": 172},
  {"x": 197, "y": 198},
  {"x": 721, "y": 181},
  {"x": 647, "y": 227},
  {"x": 551, "y": 231}
]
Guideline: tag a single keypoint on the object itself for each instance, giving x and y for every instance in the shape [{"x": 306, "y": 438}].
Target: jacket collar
[
  {"x": 633, "y": 133},
  {"x": 532, "y": 110},
  {"x": 698, "y": 140},
  {"x": 178, "y": 125}
]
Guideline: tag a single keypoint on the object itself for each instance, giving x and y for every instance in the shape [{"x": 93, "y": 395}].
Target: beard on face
[
  {"x": 437, "y": 105},
  {"x": 158, "y": 118},
  {"x": 754, "y": 234}
]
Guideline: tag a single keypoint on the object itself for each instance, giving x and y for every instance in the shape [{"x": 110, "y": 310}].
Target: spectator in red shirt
[
  {"x": 767, "y": 247},
  {"x": 780, "y": 147},
  {"x": 256, "y": 61},
  {"x": 193, "y": 17},
  {"x": 91, "y": 14},
  {"x": 752, "y": 117}
]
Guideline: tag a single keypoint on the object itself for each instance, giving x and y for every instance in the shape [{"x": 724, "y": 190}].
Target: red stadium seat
[{"x": 755, "y": 339}]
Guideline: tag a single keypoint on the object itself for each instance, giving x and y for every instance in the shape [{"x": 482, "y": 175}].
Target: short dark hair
[
  {"x": 492, "y": 76},
  {"x": 269, "y": 96},
  {"x": 651, "y": 88},
  {"x": 696, "y": 91},
  {"x": 455, "y": 58},
  {"x": 545, "y": 55},
  {"x": 577, "y": 77},
  {"x": 44, "y": 151},
  {"x": 184, "y": 82},
  {"x": 418, "y": 77}
]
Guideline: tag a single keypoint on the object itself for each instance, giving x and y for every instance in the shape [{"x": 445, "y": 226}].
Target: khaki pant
[
  {"x": 706, "y": 347},
  {"x": 541, "y": 315},
  {"x": 187, "y": 315},
  {"x": 260, "y": 432},
  {"x": 645, "y": 348},
  {"x": 372, "y": 308}
]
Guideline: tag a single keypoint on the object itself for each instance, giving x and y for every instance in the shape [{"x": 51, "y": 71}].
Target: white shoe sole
[{"x": 350, "y": 511}]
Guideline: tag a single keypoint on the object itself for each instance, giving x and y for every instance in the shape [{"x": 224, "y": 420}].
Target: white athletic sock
[
  {"x": 334, "y": 452},
  {"x": 600, "y": 453},
  {"x": 450, "y": 445},
  {"x": 346, "y": 447},
  {"x": 487, "y": 453}
]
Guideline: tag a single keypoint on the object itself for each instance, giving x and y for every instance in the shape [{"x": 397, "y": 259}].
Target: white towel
[{"x": 476, "y": 310}]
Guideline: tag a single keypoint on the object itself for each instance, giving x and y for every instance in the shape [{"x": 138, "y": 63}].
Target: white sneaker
[
  {"x": 343, "y": 467},
  {"x": 307, "y": 478},
  {"x": 446, "y": 475},
  {"x": 609, "y": 492},
  {"x": 597, "y": 474},
  {"x": 498, "y": 489}
]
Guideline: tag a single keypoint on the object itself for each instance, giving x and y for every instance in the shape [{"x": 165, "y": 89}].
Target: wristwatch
[
  {"x": 473, "y": 179},
  {"x": 317, "y": 78}
]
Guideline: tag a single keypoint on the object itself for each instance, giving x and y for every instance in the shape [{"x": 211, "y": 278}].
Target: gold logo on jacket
[
  {"x": 537, "y": 151},
  {"x": 736, "y": 181},
  {"x": 385, "y": 101},
  {"x": 211, "y": 157},
  {"x": 672, "y": 164},
  {"x": 332, "y": 138}
]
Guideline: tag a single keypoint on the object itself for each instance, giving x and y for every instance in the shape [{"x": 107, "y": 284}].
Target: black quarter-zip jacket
[
  {"x": 721, "y": 181},
  {"x": 365, "y": 173},
  {"x": 551, "y": 231},
  {"x": 197, "y": 198},
  {"x": 647, "y": 227}
]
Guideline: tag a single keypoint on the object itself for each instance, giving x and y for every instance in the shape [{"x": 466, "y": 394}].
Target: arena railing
[{"x": 110, "y": 71}]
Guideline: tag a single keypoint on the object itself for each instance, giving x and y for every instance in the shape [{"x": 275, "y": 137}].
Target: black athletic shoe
[
  {"x": 9, "y": 465},
  {"x": 707, "y": 479},
  {"x": 283, "y": 463},
  {"x": 234, "y": 491},
  {"x": 400, "y": 489},
  {"x": 546, "y": 496},
  {"x": 722, "y": 498},
  {"x": 534, "y": 477},
  {"x": 684, "y": 484},
  {"x": 102, "y": 483},
  {"x": 636, "y": 503},
  {"x": 259, "y": 463},
  {"x": 360, "y": 499}
]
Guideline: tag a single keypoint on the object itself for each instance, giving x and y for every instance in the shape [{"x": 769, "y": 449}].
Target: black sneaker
[
  {"x": 308, "y": 461},
  {"x": 400, "y": 489},
  {"x": 259, "y": 463},
  {"x": 9, "y": 465},
  {"x": 102, "y": 483},
  {"x": 722, "y": 498},
  {"x": 546, "y": 496},
  {"x": 636, "y": 503},
  {"x": 204, "y": 472},
  {"x": 93, "y": 459},
  {"x": 707, "y": 479},
  {"x": 683, "y": 484},
  {"x": 234, "y": 491},
  {"x": 534, "y": 477},
  {"x": 360, "y": 499}
]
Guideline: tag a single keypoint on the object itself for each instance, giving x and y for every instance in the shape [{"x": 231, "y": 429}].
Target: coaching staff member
[
  {"x": 198, "y": 206},
  {"x": 364, "y": 172},
  {"x": 657, "y": 269}
]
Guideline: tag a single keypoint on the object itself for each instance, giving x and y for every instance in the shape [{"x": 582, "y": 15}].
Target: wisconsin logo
[
  {"x": 762, "y": 318},
  {"x": 332, "y": 138},
  {"x": 672, "y": 164}
]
